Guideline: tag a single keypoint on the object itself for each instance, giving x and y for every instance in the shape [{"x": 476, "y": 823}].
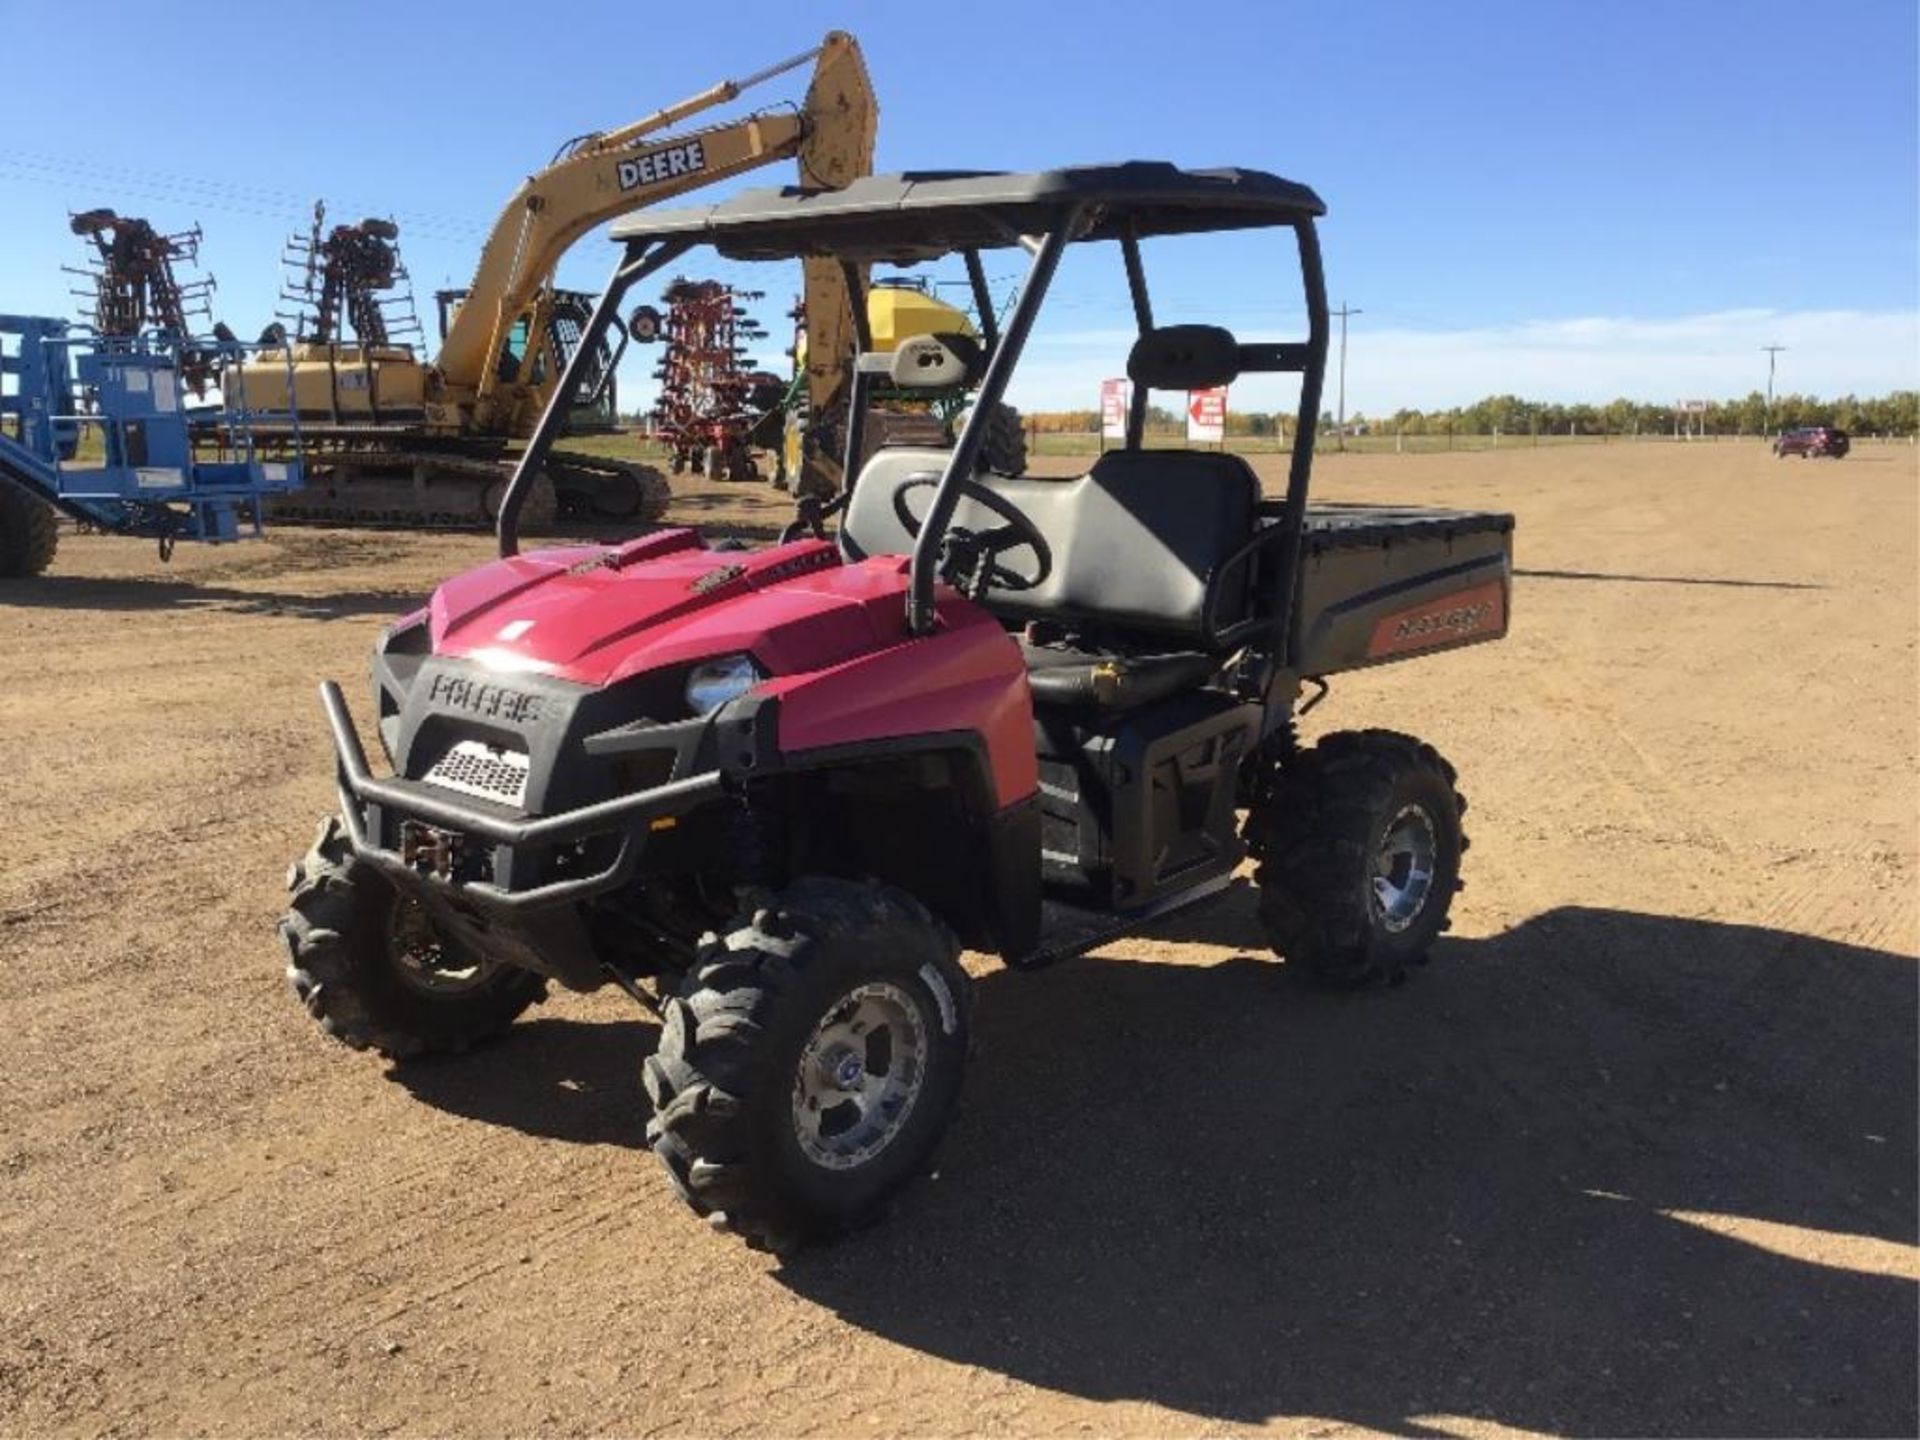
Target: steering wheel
[{"x": 973, "y": 554}]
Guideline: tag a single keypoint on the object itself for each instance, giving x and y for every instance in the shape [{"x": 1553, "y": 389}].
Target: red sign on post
[
  {"x": 1207, "y": 416},
  {"x": 1113, "y": 409}
]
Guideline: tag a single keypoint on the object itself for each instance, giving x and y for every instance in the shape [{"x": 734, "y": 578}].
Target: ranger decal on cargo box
[
  {"x": 1476, "y": 614},
  {"x": 689, "y": 157}
]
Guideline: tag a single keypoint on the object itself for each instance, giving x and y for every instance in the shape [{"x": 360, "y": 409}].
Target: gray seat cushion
[{"x": 1135, "y": 540}]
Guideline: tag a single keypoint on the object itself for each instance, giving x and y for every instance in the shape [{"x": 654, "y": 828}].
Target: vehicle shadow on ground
[
  {"x": 77, "y": 592},
  {"x": 776, "y": 514},
  {"x": 1667, "y": 580},
  {"x": 1487, "y": 1193},
  {"x": 568, "y": 1080}
]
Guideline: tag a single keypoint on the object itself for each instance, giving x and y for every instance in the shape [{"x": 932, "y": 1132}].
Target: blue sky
[{"x": 1564, "y": 200}]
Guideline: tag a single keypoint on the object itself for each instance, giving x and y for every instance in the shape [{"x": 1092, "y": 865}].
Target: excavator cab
[{"x": 596, "y": 411}]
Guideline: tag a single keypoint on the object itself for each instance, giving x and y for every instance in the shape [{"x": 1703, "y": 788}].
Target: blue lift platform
[{"x": 106, "y": 431}]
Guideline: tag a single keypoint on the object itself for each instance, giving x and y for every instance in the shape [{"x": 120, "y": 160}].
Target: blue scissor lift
[{"x": 106, "y": 431}]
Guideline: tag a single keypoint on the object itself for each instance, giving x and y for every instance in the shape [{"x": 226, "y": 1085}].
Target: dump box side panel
[{"x": 1379, "y": 584}]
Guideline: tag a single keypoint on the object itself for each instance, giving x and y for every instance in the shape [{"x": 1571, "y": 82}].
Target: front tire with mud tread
[
  {"x": 1316, "y": 831},
  {"x": 336, "y": 931},
  {"x": 723, "y": 1080},
  {"x": 28, "y": 533}
]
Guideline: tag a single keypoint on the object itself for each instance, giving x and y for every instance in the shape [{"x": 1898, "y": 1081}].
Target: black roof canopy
[{"x": 921, "y": 214}]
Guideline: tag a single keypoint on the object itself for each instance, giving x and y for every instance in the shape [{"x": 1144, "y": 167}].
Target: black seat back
[{"x": 1136, "y": 540}]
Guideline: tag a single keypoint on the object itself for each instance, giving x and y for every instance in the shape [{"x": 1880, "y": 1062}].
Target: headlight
[{"x": 712, "y": 683}]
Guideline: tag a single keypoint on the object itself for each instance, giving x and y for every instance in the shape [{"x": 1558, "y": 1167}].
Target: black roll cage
[{"x": 646, "y": 255}]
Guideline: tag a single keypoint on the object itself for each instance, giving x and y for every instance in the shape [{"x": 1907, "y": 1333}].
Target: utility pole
[
  {"x": 1341, "y": 425},
  {"x": 1773, "y": 353}
]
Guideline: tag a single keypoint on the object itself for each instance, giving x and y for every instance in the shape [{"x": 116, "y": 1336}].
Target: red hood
[{"x": 596, "y": 615}]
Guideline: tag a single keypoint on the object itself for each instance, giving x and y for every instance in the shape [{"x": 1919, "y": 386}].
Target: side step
[{"x": 1067, "y": 930}]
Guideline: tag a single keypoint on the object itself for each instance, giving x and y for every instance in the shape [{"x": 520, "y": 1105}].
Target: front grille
[{"x": 476, "y": 768}]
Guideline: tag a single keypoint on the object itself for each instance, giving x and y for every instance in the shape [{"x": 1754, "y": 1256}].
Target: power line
[
  {"x": 188, "y": 191},
  {"x": 87, "y": 170},
  {"x": 1773, "y": 354},
  {"x": 1341, "y": 423}
]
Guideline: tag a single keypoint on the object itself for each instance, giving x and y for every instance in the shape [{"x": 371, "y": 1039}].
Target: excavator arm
[{"x": 615, "y": 172}]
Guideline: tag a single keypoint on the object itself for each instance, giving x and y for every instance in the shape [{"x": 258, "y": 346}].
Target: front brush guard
[{"x": 411, "y": 800}]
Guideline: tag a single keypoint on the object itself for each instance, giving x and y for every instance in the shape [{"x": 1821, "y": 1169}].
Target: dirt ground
[{"x": 1635, "y": 1154}]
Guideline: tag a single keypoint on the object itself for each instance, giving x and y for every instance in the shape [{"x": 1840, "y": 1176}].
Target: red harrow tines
[
  {"x": 133, "y": 287},
  {"x": 709, "y": 401},
  {"x": 349, "y": 276}
]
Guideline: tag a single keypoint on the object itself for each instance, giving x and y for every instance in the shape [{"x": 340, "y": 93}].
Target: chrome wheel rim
[
  {"x": 426, "y": 963},
  {"x": 1403, "y": 866},
  {"x": 860, "y": 1074}
]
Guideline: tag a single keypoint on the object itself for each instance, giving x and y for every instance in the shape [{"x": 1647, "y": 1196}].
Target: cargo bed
[{"x": 1387, "y": 582}]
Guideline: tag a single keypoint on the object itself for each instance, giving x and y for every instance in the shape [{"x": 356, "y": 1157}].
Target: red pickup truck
[{"x": 1812, "y": 441}]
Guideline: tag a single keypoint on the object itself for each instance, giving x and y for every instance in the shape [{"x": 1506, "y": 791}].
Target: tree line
[{"x": 1894, "y": 414}]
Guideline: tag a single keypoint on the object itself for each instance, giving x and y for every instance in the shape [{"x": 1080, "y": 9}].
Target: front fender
[{"x": 968, "y": 676}]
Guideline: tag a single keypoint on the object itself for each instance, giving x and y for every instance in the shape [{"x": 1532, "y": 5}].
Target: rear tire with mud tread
[
  {"x": 336, "y": 932},
  {"x": 723, "y": 1080},
  {"x": 29, "y": 535},
  {"x": 1315, "y": 833}
]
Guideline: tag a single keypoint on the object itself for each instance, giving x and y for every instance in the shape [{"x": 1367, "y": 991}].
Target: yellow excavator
[{"x": 390, "y": 440}]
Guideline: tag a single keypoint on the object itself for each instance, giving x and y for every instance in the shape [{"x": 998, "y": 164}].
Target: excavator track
[
  {"x": 601, "y": 488},
  {"x": 373, "y": 476}
]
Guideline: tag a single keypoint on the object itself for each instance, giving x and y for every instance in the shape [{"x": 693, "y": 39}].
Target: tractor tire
[
  {"x": 1006, "y": 448},
  {"x": 367, "y": 965},
  {"x": 811, "y": 1062},
  {"x": 28, "y": 534},
  {"x": 1359, "y": 843}
]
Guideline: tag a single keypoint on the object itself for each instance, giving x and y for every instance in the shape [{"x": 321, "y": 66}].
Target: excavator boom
[{"x": 613, "y": 173}]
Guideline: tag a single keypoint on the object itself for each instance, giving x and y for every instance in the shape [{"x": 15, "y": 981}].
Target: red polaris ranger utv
[{"x": 772, "y": 793}]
